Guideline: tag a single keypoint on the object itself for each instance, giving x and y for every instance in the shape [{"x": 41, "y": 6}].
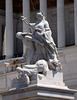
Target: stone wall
[{"x": 68, "y": 57}]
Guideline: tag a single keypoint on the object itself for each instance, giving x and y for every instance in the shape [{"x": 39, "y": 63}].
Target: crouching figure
[{"x": 27, "y": 71}]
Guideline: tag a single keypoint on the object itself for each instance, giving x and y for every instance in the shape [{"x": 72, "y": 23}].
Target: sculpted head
[{"x": 40, "y": 16}]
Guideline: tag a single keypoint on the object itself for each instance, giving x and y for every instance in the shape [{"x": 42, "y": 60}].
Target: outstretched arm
[{"x": 32, "y": 24}]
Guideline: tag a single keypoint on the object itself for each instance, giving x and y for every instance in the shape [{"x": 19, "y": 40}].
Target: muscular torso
[
  {"x": 42, "y": 25},
  {"x": 39, "y": 25}
]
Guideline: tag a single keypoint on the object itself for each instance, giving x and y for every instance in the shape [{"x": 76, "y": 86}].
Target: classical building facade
[{"x": 62, "y": 17}]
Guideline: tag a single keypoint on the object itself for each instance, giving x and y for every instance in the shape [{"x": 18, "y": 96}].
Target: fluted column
[
  {"x": 60, "y": 23},
  {"x": 75, "y": 20},
  {"x": 43, "y": 7},
  {"x": 9, "y": 29},
  {"x": 26, "y": 13}
]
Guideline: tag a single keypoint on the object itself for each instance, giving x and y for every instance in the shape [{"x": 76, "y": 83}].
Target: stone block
[{"x": 52, "y": 79}]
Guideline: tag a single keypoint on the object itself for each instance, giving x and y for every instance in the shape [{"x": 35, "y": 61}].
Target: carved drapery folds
[{"x": 41, "y": 53}]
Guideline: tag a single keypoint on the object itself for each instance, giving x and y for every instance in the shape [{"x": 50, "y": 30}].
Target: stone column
[
  {"x": 9, "y": 29},
  {"x": 4, "y": 43},
  {"x": 43, "y": 7},
  {"x": 0, "y": 41},
  {"x": 60, "y": 23},
  {"x": 26, "y": 13},
  {"x": 75, "y": 20}
]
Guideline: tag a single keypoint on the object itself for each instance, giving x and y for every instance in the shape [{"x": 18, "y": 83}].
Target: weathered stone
[{"x": 38, "y": 92}]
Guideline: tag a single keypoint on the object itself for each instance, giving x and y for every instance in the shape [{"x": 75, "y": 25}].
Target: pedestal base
[
  {"x": 41, "y": 87},
  {"x": 38, "y": 92},
  {"x": 51, "y": 79}
]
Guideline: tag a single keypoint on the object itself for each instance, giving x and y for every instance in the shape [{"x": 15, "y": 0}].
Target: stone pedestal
[
  {"x": 42, "y": 87},
  {"x": 38, "y": 92},
  {"x": 51, "y": 79}
]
